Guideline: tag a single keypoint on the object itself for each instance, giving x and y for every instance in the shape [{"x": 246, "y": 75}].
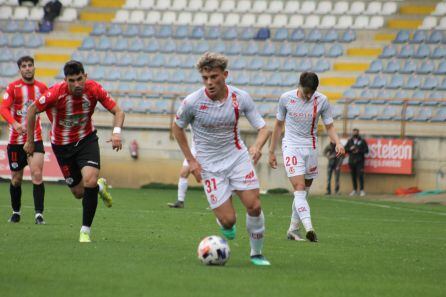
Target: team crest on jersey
[
  {"x": 291, "y": 170},
  {"x": 213, "y": 199},
  {"x": 42, "y": 100},
  {"x": 292, "y": 101},
  {"x": 14, "y": 165},
  {"x": 203, "y": 107},
  {"x": 5, "y": 96}
]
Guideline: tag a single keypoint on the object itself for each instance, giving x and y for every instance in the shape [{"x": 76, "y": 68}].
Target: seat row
[
  {"x": 272, "y": 7},
  {"x": 420, "y": 36},
  {"x": 432, "y": 22},
  {"x": 382, "y": 96},
  {"x": 32, "y": 40},
  {"x": 34, "y": 13},
  {"x": 41, "y": 3},
  {"x": 229, "y": 33},
  {"x": 420, "y": 51},
  {"x": 248, "y": 19},
  {"x": 398, "y": 81},
  {"x": 249, "y": 48},
  {"x": 408, "y": 67}
]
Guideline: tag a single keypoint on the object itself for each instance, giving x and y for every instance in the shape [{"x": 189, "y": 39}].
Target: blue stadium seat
[
  {"x": 4, "y": 41},
  {"x": 213, "y": 33},
  {"x": 301, "y": 50},
  {"x": 304, "y": 65},
  {"x": 268, "y": 49},
  {"x": 406, "y": 51},
  {"x": 388, "y": 113},
  {"x": 124, "y": 60},
  {"x": 164, "y": 31},
  {"x": 120, "y": 45},
  {"x": 289, "y": 80},
  {"x": 78, "y": 56},
  {"x": 375, "y": 67},
  {"x": 257, "y": 79},
  {"x": 412, "y": 83},
  {"x": 362, "y": 81},
  {"x": 135, "y": 44},
  {"x": 11, "y": 27},
  {"x": 92, "y": 58},
  {"x": 370, "y": 112},
  {"x": 178, "y": 77},
  {"x": 129, "y": 75},
  {"x": 112, "y": 74},
  {"x": 321, "y": 65},
  {"x": 173, "y": 61},
  {"x": 131, "y": 30},
  {"x": 241, "y": 79},
  {"x": 169, "y": 46},
  {"x": 17, "y": 40},
  {"x": 423, "y": 51},
  {"x": 401, "y": 95},
  {"x": 285, "y": 49},
  {"x": 126, "y": 105},
  {"x": 297, "y": 35},
  {"x": 97, "y": 73},
  {"x": 353, "y": 112},
  {"x": 349, "y": 94},
  {"x": 441, "y": 68},
  {"x": 289, "y": 65},
  {"x": 247, "y": 34},
  {"x": 426, "y": 67},
  {"x": 408, "y": 67},
  {"x": 29, "y": 27},
  {"x": 219, "y": 47},
  {"x": 389, "y": 51},
  {"x": 331, "y": 36},
  {"x": 392, "y": 66},
  {"x": 197, "y": 32},
  {"x": 147, "y": 31},
  {"x": 338, "y": 110},
  {"x": 435, "y": 37},
  {"x": 396, "y": 82},
  {"x": 423, "y": 115},
  {"x": 201, "y": 47},
  {"x": 272, "y": 64},
  {"x": 230, "y": 33},
  {"x": 99, "y": 29},
  {"x": 143, "y": 105},
  {"x": 315, "y": 35},
  {"x": 34, "y": 41},
  {"x": 235, "y": 48},
  {"x": 382, "y": 97},
  {"x": 8, "y": 69},
  {"x": 402, "y": 36},
  {"x": 435, "y": 95},
  {"x": 336, "y": 50},
  {"x": 429, "y": 83},
  {"x": 439, "y": 52},
  {"x": 274, "y": 80},
  {"x": 318, "y": 50},
  {"x": 348, "y": 36},
  {"x": 251, "y": 49},
  {"x": 185, "y": 47},
  {"x": 281, "y": 34},
  {"x": 161, "y": 76},
  {"x": 114, "y": 30},
  {"x": 188, "y": 63},
  {"x": 104, "y": 43},
  {"x": 365, "y": 96},
  {"x": 378, "y": 82},
  {"x": 157, "y": 61},
  {"x": 439, "y": 116},
  {"x": 419, "y": 36},
  {"x": 161, "y": 106},
  {"x": 141, "y": 60},
  {"x": 145, "y": 75},
  {"x": 410, "y": 113},
  {"x": 181, "y": 32},
  {"x": 442, "y": 85},
  {"x": 255, "y": 63},
  {"x": 418, "y": 95},
  {"x": 152, "y": 46}
]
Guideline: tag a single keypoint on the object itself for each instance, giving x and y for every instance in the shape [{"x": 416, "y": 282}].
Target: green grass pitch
[{"x": 142, "y": 248}]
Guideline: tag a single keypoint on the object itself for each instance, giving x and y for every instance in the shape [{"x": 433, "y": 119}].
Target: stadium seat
[
  {"x": 279, "y": 20},
  {"x": 154, "y": 17},
  {"x": 238, "y": 64},
  {"x": 184, "y": 18},
  {"x": 301, "y": 50},
  {"x": 357, "y": 8},
  {"x": 330, "y": 36},
  {"x": 348, "y": 36},
  {"x": 274, "y": 80},
  {"x": 389, "y": 8},
  {"x": 17, "y": 40},
  {"x": 255, "y": 63},
  {"x": 425, "y": 67},
  {"x": 406, "y": 51},
  {"x": 311, "y": 21},
  {"x": 131, "y": 30},
  {"x": 378, "y": 82},
  {"x": 181, "y": 32},
  {"x": 235, "y": 48},
  {"x": 120, "y": 45},
  {"x": 295, "y": 21},
  {"x": 248, "y": 19},
  {"x": 164, "y": 31},
  {"x": 34, "y": 41},
  {"x": 435, "y": 36},
  {"x": 247, "y": 34},
  {"x": 321, "y": 65},
  {"x": 388, "y": 113},
  {"x": 114, "y": 30},
  {"x": 11, "y": 26},
  {"x": 108, "y": 59},
  {"x": 285, "y": 49},
  {"x": 376, "y": 22},
  {"x": 145, "y": 75},
  {"x": 408, "y": 67},
  {"x": 20, "y": 13},
  {"x": 200, "y": 19},
  {"x": 440, "y": 115},
  {"x": 370, "y": 112},
  {"x": 423, "y": 115},
  {"x": 264, "y": 20},
  {"x": 5, "y": 12},
  {"x": 361, "y": 22},
  {"x": 216, "y": 19},
  {"x": 338, "y": 110},
  {"x": 402, "y": 95},
  {"x": 68, "y": 15},
  {"x": 349, "y": 94},
  {"x": 439, "y": 52},
  {"x": 275, "y": 7},
  {"x": 344, "y": 22},
  {"x": 352, "y": 112},
  {"x": 162, "y": 5},
  {"x": 336, "y": 50},
  {"x": 429, "y": 83},
  {"x": 441, "y": 68},
  {"x": 268, "y": 49},
  {"x": 179, "y": 5},
  {"x": 304, "y": 65},
  {"x": 289, "y": 65},
  {"x": 200, "y": 47},
  {"x": 362, "y": 81},
  {"x": 227, "y": 6},
  {"x": 131, "y": 4},
  {"x": 99, "y": 29},
  {"x": 124, "y": 60},
  {"x": 36, "y": 14},
  {"x": 243, "y": 6},
  {"x": 423, "y": 51},
  {"x": 232, "y": 19},
  {"x": 280, "y": 34},
  {"x": 318, "y": 50},
  {"x": 152, "y": 46},
  {"x": 308, "y": 7},
  {"x": 230, "y": 34},
  {"x": 29, "y": 26},
  {"x": 324, "y": 8},
  {"x": 442, "y": 24},
  {"x": 168, "y": 18},
  {"x": 315, "y": 35},
  {"x": 259, "y": 6},
  {"x": 413, "y": 82},
  {"x": 197, "y": 32},
  {"x": 340, "y": 7},
  {"x": 88, "y": 43},
  {"x": 389, "y": 51},
  {"x": 272, "y": 64},
  {"x": 373, "y": 8},
  {"x": 213, "y": 33},
  {"x": 419, "y": 36},
  {"x": 297, "y": 35},
  {"x": 392, "y": 66}
]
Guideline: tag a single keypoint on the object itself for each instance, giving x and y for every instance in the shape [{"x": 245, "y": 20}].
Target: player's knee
[
  {"x": 36, "y": 176},
  {"x": 16, "y": 181},
  {"x": 90, "y": 181},
  {"x": 77, "y": 193},
  {"x": 254, "y": 209},
  {"x": 227, "y": 222}
]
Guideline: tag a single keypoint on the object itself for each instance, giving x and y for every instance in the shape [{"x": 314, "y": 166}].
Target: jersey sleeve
[
  {"x": 104, "y": 98},
  {"x": 184, "y": 114},
  {"x": 326, "y": 113},
  {"x": 281, "y": 109},
  {"x": 251, "y": 113},
  {"x": 5, "y": 107}
]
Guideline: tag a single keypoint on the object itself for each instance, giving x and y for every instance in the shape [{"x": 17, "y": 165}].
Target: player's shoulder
[
  {"x": 40, "y": 84},
  {"x": 320, "y": 97},
  {"x": 92, "y": 85},
  {"x": 58, "y": 89},
  {"x": 242, "y": 94},
  {"x": 18, "y": 83},
  {"x": 195, "y": 96},
  {"x": 291, "y": 94}
]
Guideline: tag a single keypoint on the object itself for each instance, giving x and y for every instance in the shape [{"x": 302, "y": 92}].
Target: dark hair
[
  {"x": 24, "y": 59},
  {"x": 73, "y": 67},
  {"x": 355, "y": 129},
  {"x": 309, "y": 80}
]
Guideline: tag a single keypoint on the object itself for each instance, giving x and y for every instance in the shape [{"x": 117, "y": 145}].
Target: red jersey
[
  {"x": 71, "y": 116},
  {"x": 16, "y": 99}
]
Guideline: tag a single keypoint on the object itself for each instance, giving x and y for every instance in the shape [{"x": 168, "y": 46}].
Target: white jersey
[
  {"x": 215, "y": 126},
  {"x": 301, "y": 118}
]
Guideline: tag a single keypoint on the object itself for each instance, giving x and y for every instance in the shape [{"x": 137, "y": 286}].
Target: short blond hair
[{"x": 211, "y": 61}]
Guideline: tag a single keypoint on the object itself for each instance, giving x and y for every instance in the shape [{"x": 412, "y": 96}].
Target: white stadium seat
[
  {"x": 36, "y": 14},
  {"x": 248, "y": 19},
  {"x": 197, "y": 5},
  {"x": 389, "y": 8},
  {"x": 292, "y": 7},
  {"x": 344, "y": 22},
  {"x": 136, "y": 17},
  {"x": 243, "y": 6},
  {"x": 374, "y": 8},
  {"x": 227, "y": 6},
  {"x": 429, "y": 22},
  {"x": 440, "y": 9},
  {"x": 280, "y": 20},
  {"x": 296, "y": 21},
  {"x": 162, "y": 4},
  {"x": 184, "y": 18},
  {"x": 79, "y": 3},
  {"x": 131, "y": 4},
  {"x": 66, "y": 3},
  {"x": 153, "y": 17},
  {"x": 12, "y": 2},
  {"x": 168, "y": 18},
  {"x": 340, "y": 7},
  {"x": 179, "y": 5},
  {"x": 324, "y": 7},
  {"x": 328, "y": 21},
  {"x": 376, "y": 22},
  {"x": 20, "y": 13},
  {"x": 211, "y": 6},
  {"x": 357, "y": 7},
  {"x": 361, "y": 22},
  {"x": 442, "y": 24},
  {"x": 216, "y": 19},
  {"x": 232, "y": 19},
  {"x": 5, "y": 12},
  {"x": 264, "y": 20},
  {"x": 68, "y": 15},
  {"x": 259, "y": 6},
  {"x": 311, "y": 21},
  {"x": 121, "y": 16},
  {"x": 200, "y": 18},
  {"x": 275, "y": 7},
  {"x": 147, "y": 4},
  {"x": 308, "y": 7}
]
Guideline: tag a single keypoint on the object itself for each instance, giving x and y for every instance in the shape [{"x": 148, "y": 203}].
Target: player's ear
[
  {"x": 86, "y": 76},
  {"x": 225, "y": 73}
]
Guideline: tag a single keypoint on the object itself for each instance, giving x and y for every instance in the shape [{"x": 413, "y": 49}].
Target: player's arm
[
  {"x": 256, "y": 149},
  {"x": 118, "y": 122},
  {"x": 277, "y": 131},
  {"x": 180, "y": 136},
  {"x": 331, "y": 131},
  {"x": 5, "y": 111},
  {"x": 30, "y": 126}
]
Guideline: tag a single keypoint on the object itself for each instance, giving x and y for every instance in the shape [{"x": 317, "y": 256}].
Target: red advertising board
[
  {"x": 388, "y": 156},
  {"x": 51, "y": 171}
]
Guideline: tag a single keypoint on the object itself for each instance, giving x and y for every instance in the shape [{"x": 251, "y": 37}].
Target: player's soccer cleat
[
  {"x": 104, "y": 194},
  {"x": 294, "y": 235},
  {"x": 40, "y": 220},
  {"x": 177, "y": 204},
  {"x": 84, "y": 237},
  {"x": 362, "y": 193},
  {"x": 311, "y": 236},
  {"x": 260, "y": 260},
  {"x": 229, "y": 233},
  {"x": 15, "y": 218}
]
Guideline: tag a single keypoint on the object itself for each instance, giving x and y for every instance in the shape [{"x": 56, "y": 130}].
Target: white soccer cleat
[{"x": 294, "y": 235}]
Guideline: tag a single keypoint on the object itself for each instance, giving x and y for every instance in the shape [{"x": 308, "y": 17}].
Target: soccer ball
[{"x": 213, "y": 250}]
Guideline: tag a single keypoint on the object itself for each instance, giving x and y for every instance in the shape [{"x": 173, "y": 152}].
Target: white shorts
[
  {"x": 219, "y": 186},
  {"x": 300, "y": 161}
]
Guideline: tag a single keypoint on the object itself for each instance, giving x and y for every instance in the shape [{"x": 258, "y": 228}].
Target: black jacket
[
  {"x": 330, "y": 153},
  {"x": 356, "y": 151}
]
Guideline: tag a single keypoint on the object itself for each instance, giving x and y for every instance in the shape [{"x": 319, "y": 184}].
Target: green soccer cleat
[
  {"x": 229, "y": 233},
  {"x": 259, "y": 260},
  {"x": 84, "y": 237},
  {"x": 104, "y": 194}
]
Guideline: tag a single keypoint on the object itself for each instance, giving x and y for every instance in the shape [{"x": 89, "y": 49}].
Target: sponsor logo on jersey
[
  {"x": 203, "y": 107},
  {"x": 313, "y": 169},
  {"x": 5, "y": 96},
  {"x": 69, "y": 181},
  {"x": 250, "y": 178},
  {"x": 42, "y": 100}
]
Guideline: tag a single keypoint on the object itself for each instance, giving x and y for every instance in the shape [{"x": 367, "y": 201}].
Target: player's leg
[
  {"x": 226, "y": 218},
  {"x": 36, "y": 167},
  {"x": 354, "y": 178},
  {"x": 310, "y": 175},
  {"x": 182, "y": 186},
  {"x": 90, "y": 176},
  {"x": 17, "y": 161}
]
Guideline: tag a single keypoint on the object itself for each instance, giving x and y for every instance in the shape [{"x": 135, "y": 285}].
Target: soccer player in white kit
[
  {"x": 299, "y": 111},
  {"x": 222, "y": 160}
]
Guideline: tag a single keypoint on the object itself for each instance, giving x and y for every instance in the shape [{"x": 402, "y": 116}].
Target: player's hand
[
  {"x": 28, "y": 147},
  {"x": 195, "y": 169},
  {"x": 116, "y": 141},
  {"x": 272, "y": 160},
  {"x": 19, "y": 128},
  {"x": 255, "y": 154},
  {"x": 340, "y": 151}
]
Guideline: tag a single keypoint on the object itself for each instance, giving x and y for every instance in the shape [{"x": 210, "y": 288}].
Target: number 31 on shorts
[{"x": 211, "y": 185}]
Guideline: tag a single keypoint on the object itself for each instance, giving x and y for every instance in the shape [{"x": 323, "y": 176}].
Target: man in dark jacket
[
  {"x": 334, "y": 164},
  {"x": 357, "y": 148}
]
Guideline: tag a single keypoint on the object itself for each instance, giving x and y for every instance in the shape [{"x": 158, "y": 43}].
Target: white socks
[
  {"x": 255, "y": 227},
  {"x": 85, "y": 229},
  {"x": 182, "y": 188},
  {"x": 101, "y": 187},
  {"x": 303, "y": 209},
  {"x": 295, "y": 220}
]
